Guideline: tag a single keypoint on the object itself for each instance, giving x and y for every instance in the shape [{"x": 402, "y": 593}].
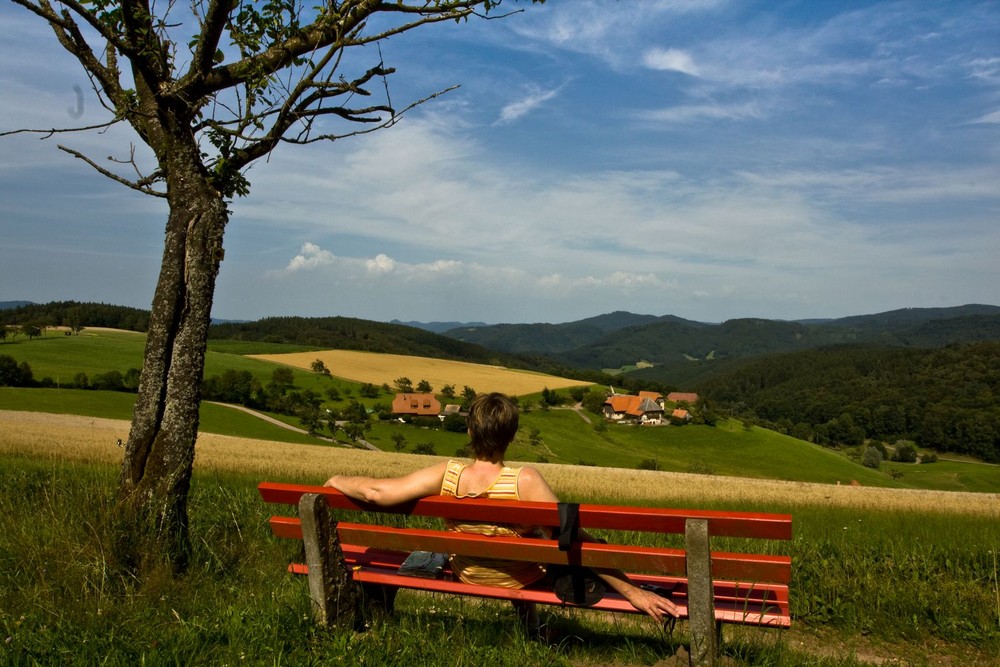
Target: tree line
[
  {"x": 945, "y": 399},
  {"x": 75, "y": 316}
]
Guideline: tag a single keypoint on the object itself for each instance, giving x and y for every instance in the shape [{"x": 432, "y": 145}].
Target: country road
[{"x": 278, "y": 422}]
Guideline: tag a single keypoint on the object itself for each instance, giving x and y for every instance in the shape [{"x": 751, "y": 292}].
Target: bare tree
[{"x": 209, "y": 87}]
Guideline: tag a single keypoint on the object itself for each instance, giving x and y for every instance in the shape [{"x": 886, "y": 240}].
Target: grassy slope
[
  {"x": 910, "y": 580},
  {"x": 727, "y": 449}
]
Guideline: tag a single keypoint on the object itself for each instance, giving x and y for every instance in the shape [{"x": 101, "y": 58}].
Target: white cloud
[
  {"x": 525, "y": 105},
  {"x": 382, "y": 264},
  {"x": 692, "y": 113},
  {"x": 990, "y": 118},
  {"x": 311, "y": 257},
  {"x": 670, "y": 60}
]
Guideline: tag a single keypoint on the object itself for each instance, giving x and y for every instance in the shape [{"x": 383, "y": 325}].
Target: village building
[
  {"x": 638, "y": 409},
  {"x": 682, "y": 397},
  {"x": 416, "y": 405}
]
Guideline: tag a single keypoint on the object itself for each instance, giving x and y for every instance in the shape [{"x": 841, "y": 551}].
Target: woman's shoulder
[{"x": 532, "y": 486}]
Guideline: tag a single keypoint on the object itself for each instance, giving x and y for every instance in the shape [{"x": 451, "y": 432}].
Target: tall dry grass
[{"x": 91, "y": 439}]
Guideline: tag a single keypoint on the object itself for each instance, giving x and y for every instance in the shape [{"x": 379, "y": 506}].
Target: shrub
[
  {"x": 700, "y": 468},
  {"x": 110, "y": 381},
  {"x": 905, "y": 453},
  {"x": 424, "y": 448},
  {"x": 649, "y": 464},
  {"x": 369, "y": 391},
  {"x": 13, "y": 374},
  {"x": 872, "y": 458},
  {"x": 455, "y": 423}
]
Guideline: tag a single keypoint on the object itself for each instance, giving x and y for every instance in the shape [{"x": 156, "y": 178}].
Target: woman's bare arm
[{"x": 391, "y": 490}]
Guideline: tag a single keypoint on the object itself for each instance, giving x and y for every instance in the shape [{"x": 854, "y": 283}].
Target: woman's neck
[{"x": 497, "y": 461}]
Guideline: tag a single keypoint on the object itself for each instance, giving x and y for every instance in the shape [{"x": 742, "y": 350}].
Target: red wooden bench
[{"x": 708, "y": 587}]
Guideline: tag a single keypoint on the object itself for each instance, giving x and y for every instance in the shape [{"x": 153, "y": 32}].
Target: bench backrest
[{"x": 737, "y": 566}]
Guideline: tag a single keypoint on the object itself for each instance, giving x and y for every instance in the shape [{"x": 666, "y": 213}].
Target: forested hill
[
  {"x": 561, "y": 339},
  {"x": 683, "y": 350},
  {"x": 946, "y": 399},
  {"x": 74, "y": 314},
  {"x": 345, "y": 333}
]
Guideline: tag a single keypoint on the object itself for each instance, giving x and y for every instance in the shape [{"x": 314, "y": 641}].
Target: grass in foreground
[
  {"x": 897, "y": 577},
  {"x": 63, "y": 600}
]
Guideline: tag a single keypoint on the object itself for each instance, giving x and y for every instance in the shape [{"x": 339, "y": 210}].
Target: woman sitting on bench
[{"x": 492, "y": 423}]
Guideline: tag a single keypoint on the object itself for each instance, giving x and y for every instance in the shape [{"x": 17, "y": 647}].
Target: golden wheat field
[
  {"x": 90, "y": 439},
  {"x": 378, "y": 369}
]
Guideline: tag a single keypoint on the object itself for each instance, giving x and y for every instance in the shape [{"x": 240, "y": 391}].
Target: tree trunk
[{"x": 159, "y": 456}]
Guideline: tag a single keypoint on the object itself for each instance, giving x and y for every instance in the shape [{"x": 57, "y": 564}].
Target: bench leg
[
  {"x": 332, "y": 590},
  {"x": 701, "y": 595}
]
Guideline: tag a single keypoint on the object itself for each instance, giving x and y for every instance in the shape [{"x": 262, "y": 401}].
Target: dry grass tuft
[{"x": 95, "y": 440}]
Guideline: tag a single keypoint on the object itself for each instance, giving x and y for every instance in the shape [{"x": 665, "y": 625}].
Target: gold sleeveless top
[{"x": 490, "y": 571}]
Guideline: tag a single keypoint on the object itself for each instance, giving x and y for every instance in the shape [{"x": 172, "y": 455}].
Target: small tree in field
[{"x": 210, "y": 87}]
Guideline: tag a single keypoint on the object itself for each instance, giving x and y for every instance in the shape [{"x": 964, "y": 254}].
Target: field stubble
[{"x": 376, "y": 368}]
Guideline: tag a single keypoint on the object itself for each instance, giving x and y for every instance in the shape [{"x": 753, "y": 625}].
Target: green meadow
[
  {"x": 561, "y": 435},
  {"x": 917, "y": 586},
  {"x": 907, "y": 588}
]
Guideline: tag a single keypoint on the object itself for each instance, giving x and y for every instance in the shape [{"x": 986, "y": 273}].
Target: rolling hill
[{"x": 683, "y": 351}]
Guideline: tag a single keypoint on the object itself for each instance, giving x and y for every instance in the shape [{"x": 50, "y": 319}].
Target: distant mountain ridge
[
  {"x": 672, "y": 343},
  {"x": 439, "y": 327},
  {"x": 10, "y": 305},
  {"x": 678, "y": 352}
]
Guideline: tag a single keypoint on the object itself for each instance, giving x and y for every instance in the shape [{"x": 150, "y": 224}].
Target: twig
[{"x": 113, "y": 176}]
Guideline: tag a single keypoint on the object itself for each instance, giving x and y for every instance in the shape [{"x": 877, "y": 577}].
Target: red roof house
[
  {"x": 418, "y": 405},
  {"x": 624, "y": 407}
]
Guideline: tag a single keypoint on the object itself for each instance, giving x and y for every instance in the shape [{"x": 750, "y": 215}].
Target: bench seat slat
[
  {"x": 771, "y": 610},
  {"x": 751, "y": 567},
  {"x": 721, "y": 524}
]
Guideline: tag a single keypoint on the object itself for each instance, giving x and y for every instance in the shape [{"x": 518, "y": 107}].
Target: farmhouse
[
  {"x": 653, "y": 396},
  {"x": 680, "y": 413},
  {"x": 680, "y": 396},
  {"x": 642, "y": 409},
  {"x": 416, "y": 405}
]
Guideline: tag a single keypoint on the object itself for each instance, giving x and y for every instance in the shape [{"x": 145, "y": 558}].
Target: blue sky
[{"x": 705, "y": 158}]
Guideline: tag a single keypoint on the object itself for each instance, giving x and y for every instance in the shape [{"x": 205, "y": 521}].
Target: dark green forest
[
  {"x": 946, "y": 399},
  {"x": 76, "y": 315}
]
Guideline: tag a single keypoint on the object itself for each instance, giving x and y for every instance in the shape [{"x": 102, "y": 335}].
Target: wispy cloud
[
  {"x": 701, "y": 112},
  {"x": 525, "y": 105},
  {"x": 990, "y": 118},
  {"x": 670, "y": 60}
]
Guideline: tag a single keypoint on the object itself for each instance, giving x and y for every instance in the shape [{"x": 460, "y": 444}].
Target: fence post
[
  {"x": 701, "y": 595},
  {"x": 333, "y": 592}
]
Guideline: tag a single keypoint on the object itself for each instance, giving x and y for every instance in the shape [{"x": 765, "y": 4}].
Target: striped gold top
[{"x": 490, "y": 571}]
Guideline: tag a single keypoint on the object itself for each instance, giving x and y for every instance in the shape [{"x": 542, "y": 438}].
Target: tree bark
[{"x": 159, "y": 457}]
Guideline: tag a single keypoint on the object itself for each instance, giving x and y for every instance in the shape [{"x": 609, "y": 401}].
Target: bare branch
[
  {"x": 63, "y": 130},
  {"x": 382, "y": 125},
  {"x": 142, "y": 185}
]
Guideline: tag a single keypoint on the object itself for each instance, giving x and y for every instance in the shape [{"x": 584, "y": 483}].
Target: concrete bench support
[
  {"x": 701, "y": 607},
  {"x": 332, "y": 590}
]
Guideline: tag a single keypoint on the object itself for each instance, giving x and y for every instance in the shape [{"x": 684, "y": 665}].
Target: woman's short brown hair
[{"x": 492, "y": 421}]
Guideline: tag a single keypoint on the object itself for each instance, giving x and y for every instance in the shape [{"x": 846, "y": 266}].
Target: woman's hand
[{"x": 650, "y": 603}]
